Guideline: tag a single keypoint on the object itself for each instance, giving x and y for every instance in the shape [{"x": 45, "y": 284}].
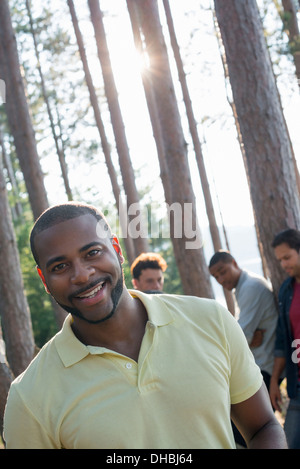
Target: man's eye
[
  {"x": 58, "y": 267},
  {"x": 93, "y": 252}
]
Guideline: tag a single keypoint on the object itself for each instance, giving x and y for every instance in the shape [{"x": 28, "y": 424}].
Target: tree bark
[
  {"x": 240, "y": 140},
  {"x": 269, "y": 156},
  {"x": 14, "y": 310},
  {"x": 18, "y": 114}
]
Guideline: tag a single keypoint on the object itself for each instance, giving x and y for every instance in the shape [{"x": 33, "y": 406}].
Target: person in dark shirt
[{"x": 286, "y": 246}]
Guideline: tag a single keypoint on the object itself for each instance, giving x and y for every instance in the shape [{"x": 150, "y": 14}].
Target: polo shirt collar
[
  {"x": 157, "y": 311},
  {"x": 71, "y": 350},
  {"x": 68, "y": 347}
]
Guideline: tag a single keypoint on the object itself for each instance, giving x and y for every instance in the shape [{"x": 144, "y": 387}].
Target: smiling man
[{"x": 124, "y": 360}]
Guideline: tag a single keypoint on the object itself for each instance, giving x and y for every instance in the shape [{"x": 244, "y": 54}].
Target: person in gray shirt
[
  {"x": 257, "y": 313},
  {"x": 257, "y": 309}
]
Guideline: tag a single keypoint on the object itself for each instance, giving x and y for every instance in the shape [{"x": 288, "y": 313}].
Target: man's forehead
[
  {"x": 79, "y": 230},
  {"x": 150, "y": 271},
  {"x": 219, "y": 266}
]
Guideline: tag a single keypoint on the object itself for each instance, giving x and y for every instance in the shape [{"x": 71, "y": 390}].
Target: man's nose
[{"x": 81, "y": 273}]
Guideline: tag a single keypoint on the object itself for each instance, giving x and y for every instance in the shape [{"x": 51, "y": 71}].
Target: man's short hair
[
  {"x": 290, "y": 237},
  {"x": 147, "y": 260},
  {"x": 221, "y": 256},
  {"x": 60, "y": 213}
]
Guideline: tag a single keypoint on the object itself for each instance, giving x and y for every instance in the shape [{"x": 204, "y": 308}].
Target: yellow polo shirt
[{"x": 193, "y": 363}]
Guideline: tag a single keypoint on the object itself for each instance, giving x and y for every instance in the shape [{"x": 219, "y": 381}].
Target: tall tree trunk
[
  {"x": 191, "y": 262},
  {"x": 105, "y": 144},
  {"x": 240, "y": 140},
  {"x": 18, "y": 114},
  {"x": 269, "y": 156},
  {"x": 214, "y": 230},
  {"x": 58, "y": 145},
  {"x": 140, "y": 242},
  {"x": 14, "y": 310}
]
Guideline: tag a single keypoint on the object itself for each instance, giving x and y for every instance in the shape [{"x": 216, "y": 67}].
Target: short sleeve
[{"x": 21, "y": 428}]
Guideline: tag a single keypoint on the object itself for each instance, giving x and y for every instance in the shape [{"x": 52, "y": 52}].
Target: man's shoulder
[
  {"x": 182, "y": 306},
  {"x": 184, "y": 300},
  {"x": 252, "y": 280},
  {"x": 193, "y": 308},
  {"x": 187, "y": 300}
]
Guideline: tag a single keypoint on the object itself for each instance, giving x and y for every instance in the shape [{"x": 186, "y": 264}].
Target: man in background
[
  {"x": 257, "y": 314},
  {"x": 147, "y": 272},
  {"x": 286, "y": 246},
  {"x": 257, "y": 310}
]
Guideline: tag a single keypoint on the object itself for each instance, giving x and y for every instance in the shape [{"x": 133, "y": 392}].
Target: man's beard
[{"x": 115, "y": 296}]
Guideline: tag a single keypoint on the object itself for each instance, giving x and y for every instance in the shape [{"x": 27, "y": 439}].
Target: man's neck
[{"x": 123, "y": 332}]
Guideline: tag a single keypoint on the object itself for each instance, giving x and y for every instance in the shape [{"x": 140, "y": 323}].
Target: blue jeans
[{"x": 292, "y": 422}]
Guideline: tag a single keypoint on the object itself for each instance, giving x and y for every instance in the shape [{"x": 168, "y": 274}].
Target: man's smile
[{"x": 92, "y": 293}]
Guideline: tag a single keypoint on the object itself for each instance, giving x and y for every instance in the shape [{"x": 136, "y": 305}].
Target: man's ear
[
  {"x": 117, "y": 248},
  {"x": 42, "y": 278}
]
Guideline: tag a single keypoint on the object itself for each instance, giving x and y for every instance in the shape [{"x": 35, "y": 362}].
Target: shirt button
[{"x": 128, "y": 366}]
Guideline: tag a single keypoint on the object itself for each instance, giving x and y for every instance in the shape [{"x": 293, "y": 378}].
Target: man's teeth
[{"x": 92, "y": 293}]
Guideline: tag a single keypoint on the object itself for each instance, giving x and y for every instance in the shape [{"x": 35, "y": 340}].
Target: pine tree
[{"x": 267, "y": 146}]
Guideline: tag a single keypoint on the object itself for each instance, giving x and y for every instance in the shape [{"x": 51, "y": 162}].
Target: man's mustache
[{"x": 88, "y": 287}]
